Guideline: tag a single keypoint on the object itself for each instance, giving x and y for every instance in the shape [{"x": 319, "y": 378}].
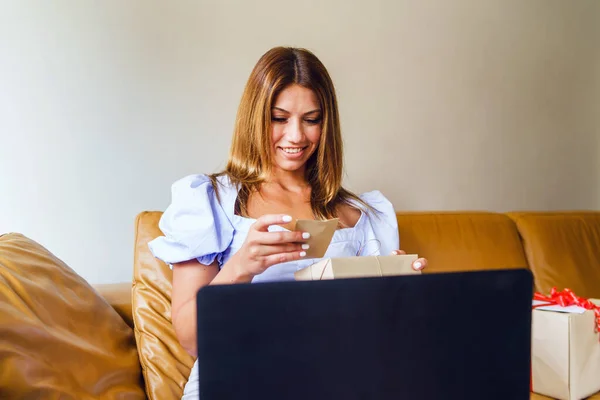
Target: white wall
[{"x": 445, "y": 105}]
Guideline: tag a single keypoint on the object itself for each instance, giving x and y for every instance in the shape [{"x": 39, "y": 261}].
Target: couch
[{"x": 63, "y": 338}]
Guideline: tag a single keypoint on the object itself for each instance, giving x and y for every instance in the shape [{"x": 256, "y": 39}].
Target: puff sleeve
[
  {"x": 384, "y": 223},
  {"x": 194, "y": 225}
]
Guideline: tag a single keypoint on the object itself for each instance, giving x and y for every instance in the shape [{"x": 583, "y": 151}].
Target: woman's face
[{"x": 296, "y": 127}]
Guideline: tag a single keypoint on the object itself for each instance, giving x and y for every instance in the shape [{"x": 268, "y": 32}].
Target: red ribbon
[
  {"x": 564, "y": 299},
  {"x": 567, "y": 298}
]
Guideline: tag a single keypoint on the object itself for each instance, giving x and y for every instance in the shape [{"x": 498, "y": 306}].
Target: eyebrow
[{"x": 286, "y": 111}]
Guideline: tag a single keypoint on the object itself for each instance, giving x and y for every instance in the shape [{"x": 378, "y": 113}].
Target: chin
[{"x": 290, "y": 167}]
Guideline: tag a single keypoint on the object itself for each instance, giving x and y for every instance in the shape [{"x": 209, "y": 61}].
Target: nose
[{"x": 294, "y": 132}]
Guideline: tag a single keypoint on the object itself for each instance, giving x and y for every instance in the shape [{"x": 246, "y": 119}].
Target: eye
[
  {"x": 313, "y": 121},
  {"x": 278, "y": 119}
]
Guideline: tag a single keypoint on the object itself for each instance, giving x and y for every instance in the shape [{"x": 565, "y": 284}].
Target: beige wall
[{"x": 445, "y": 105}]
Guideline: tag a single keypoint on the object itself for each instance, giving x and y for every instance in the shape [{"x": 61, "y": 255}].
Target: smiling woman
[{"x": 285, "y": 163}]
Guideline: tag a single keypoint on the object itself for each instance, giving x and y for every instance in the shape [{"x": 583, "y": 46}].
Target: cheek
[
  {"x": 276, "y": 133},
  {"x": 313, "y": 134}
]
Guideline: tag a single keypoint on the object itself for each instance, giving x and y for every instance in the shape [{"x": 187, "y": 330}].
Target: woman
[{"x": 285, "y": 163}]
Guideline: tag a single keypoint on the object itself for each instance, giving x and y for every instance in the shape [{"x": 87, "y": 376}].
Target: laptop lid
[{"x": 460, "y": 335}]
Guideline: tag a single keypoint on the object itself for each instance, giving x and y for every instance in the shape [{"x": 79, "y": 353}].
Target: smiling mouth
[{"x": 292, "y": 150}]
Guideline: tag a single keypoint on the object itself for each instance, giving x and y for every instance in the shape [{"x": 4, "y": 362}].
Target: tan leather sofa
[{"x": 562, "y": 249}]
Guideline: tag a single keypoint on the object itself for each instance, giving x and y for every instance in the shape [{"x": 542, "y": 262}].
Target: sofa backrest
[
  {"x": 463, "y": 241},
  {"x": 563, "y": 249}
]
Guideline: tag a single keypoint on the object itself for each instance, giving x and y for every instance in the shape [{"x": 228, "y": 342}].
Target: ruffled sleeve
[
  {"x": 194, "y": 225},
  {"x": 384, "y": 224}
]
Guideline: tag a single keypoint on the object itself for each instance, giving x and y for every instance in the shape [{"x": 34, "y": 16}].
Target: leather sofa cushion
[
  {"x": 463, "y": 241},
  {"x": 58, "y": 337},
  {"x": 563, "y": 250},
  {"x": 165, "y": 364},
  {"x": 118, "y": 295}
]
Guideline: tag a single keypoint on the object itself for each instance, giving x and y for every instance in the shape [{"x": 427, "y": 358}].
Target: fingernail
[
  {"x": 394, "y": 253},
  {"x": 418, "y": 265},
  {"x": 287, "y": 218},
  {"x": 306, "y": 246},
  {"x": 302, "y": 254},
  {"x": 305, "y": 235}
]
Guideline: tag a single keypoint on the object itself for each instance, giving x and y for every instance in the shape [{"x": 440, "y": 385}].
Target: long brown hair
[{"x": 250, "y": 159}]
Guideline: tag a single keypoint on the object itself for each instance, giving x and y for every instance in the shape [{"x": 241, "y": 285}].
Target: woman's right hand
[{"x": 263, "y": 249}]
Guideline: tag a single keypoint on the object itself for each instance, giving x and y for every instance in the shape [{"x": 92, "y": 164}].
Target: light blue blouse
[{"x": 198, "y": 226}]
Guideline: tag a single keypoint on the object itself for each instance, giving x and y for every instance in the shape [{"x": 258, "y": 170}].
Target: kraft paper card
[
  {"x": 358, "y": 267},
  {"x": 321, "y": 233},
  {"x": 565, "y": 359}
]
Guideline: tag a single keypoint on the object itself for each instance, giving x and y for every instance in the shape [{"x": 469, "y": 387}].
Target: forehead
[{"x": 296, "y": 98}]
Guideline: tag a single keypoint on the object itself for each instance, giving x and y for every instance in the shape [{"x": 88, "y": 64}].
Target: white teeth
[{"x": 292, "y": 150}]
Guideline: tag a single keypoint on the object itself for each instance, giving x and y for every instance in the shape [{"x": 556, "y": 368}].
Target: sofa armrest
[{"x": 118, "y": 295}]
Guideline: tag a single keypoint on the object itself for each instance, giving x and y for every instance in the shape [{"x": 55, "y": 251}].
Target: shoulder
[
  {"x": 190, "y": 184},
  {"x": 198, "y": 200},
  {"x": 195, "y": 224},
  {"x": 380, "y": 211},
  {"x": 349, "y": 215},
  {"x": 378, "y": 202},
  {"x": 204, "y": 181}
]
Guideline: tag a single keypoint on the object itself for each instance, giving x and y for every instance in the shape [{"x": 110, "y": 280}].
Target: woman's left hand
[{"x": 418, "y": 265}]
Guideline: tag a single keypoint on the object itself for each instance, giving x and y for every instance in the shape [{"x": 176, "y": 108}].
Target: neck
[{"x": 289, "y": 180}]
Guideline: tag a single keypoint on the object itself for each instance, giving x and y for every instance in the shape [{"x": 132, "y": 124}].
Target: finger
[
  {"x": 282, "y": 237},
  {"x": 398, "y": 252},
  {"x": 267, "y": 250},
  {"x": 284, "y": 257},
  {"x": 419, "y": 264},
  {"x": 262, "y": 224}
]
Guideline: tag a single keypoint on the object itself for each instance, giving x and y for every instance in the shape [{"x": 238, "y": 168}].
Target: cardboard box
[
  {"x": 358, "y": 267},
  {"x": 565, "y": 359}
]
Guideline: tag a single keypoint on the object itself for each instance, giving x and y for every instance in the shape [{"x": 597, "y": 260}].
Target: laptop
[{"x": 462, "y": 335}]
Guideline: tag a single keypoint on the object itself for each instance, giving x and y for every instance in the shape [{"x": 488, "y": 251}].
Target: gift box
[
  {"x": 565, "y": 353},
  {"x": 358, "y": 267}
]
